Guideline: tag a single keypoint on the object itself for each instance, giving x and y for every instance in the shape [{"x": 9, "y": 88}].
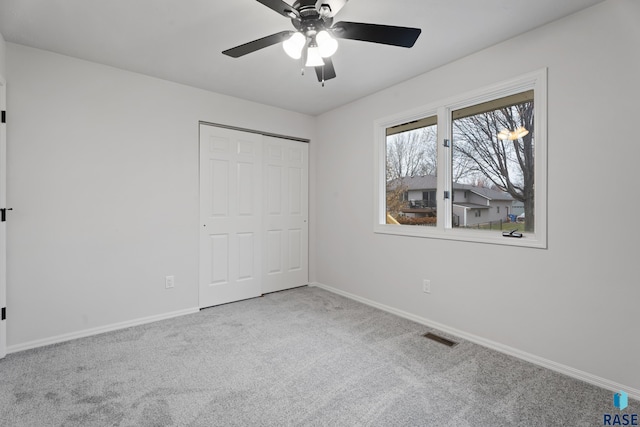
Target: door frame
[
  {"x": 259, "y": 132},
  {"x": 3, "y": 225}
]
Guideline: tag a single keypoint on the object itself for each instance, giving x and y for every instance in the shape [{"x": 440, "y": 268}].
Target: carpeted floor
[{"x": 293, "y": 358}]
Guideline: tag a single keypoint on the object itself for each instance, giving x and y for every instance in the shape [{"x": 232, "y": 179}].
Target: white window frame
[{"x": 443, "y": 230}]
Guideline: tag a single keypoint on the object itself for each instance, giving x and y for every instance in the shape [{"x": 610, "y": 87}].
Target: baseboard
[
  {"x": 99, "y": 330},
  {"x": 549, "y": 364}
]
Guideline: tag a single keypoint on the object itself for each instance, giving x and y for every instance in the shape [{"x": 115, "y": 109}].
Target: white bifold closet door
[
  {"x": 253, "y": 214},
  {"x": 286, "y": 214}
]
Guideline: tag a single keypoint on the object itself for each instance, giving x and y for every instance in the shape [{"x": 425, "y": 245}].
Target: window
[
  {"x": 460, "y": 160},
  {"x": 410, "y": 169},
  {"x": 493, "y": 151}
]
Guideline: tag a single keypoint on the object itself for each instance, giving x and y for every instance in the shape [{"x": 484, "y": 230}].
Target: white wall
[
  {"x": 3, "y": 47},
  {"x": 103, "y": 180},
  {"x": 574, "y": 304}
]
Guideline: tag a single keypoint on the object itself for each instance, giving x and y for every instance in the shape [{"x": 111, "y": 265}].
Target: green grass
[
  {"x": 511, "y": 225},
  {"x": 506, "y": 226}
]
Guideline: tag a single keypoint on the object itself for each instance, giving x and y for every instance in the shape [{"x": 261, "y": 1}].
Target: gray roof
[
  {"x": 429, "y": 182},
  {"x": 424, "y": 182},
  {"x": 471, "y": 205}
]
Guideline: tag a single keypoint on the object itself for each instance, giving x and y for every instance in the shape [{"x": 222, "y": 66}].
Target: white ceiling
[{"x": 181, "y": 41}]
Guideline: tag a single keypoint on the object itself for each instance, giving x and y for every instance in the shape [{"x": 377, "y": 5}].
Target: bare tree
[
  {"x": 463, "y": 171},
  {"x": 395, "y": 197},
  {"x": 411, "y": 153},
  {"x": 414, "y": 153},
  {"x": 507, "y": 163}
]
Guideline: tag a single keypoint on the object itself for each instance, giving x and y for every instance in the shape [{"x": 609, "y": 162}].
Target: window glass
[
  {"x": 411, "y": 167},
  {"x": 493, "y": 164}
]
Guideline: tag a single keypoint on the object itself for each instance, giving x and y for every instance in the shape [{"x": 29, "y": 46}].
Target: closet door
[
  {"x": 286, "y": 228},
  {"x": 231, "y": 266}
]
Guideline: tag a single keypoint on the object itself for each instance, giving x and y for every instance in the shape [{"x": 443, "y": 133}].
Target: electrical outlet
[
  {"x": 426, "y": 286},
  {"x": 169, "y": 282}
]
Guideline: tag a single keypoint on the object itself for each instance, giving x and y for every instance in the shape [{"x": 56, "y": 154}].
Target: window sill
[{"x": 528, "y": 240}]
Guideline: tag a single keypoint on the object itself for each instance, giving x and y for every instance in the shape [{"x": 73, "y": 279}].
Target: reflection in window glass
[
  {"x": 493, "y": 164},
  {"x": 411, "y": 154}
]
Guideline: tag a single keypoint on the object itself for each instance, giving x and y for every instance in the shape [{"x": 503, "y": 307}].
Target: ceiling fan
[{"x": 315, "y": 37}]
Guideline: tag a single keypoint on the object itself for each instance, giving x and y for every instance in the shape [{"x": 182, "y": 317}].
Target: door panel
[
  {"x": 230, "y": 216},
  {"x": 219, "y": 259},
  {"x": 286, "y": 214},
  {"x": 295, "y": 241},
  {"x": 272, "y": 252}
]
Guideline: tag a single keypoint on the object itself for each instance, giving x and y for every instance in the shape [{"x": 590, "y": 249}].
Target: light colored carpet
[{"x": 298, "y": 357}]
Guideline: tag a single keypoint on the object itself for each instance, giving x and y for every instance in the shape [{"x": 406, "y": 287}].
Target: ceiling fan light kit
[
  {"x": 293, "y": 45},
  {"x": 313, "y": 21},
  {"x": 326, "y": 44},
  {"x": 313, "y": 56}
]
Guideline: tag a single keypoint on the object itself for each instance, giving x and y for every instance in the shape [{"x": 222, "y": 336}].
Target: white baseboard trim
[
  {"x": 99, "y": 330},
  {"x": 545, "y": 363}
]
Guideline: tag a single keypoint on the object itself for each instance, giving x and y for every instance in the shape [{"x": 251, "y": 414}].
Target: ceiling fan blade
[
  {"x": 384, "y": 34},
  {"x": 334, "y": 7},
  {"x": 329, "y": 71},
  {"x": 243, "y": 49},
  {"x": 281, "y": 7}
]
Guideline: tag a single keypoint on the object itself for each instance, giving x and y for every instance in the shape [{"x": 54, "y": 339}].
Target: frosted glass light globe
[
  {"x": 294, "y": 44},
  {"x": 327, "y": 44}
]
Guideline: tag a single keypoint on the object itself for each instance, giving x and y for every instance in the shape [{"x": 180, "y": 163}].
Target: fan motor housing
[{"x": 310, "y": 21}]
